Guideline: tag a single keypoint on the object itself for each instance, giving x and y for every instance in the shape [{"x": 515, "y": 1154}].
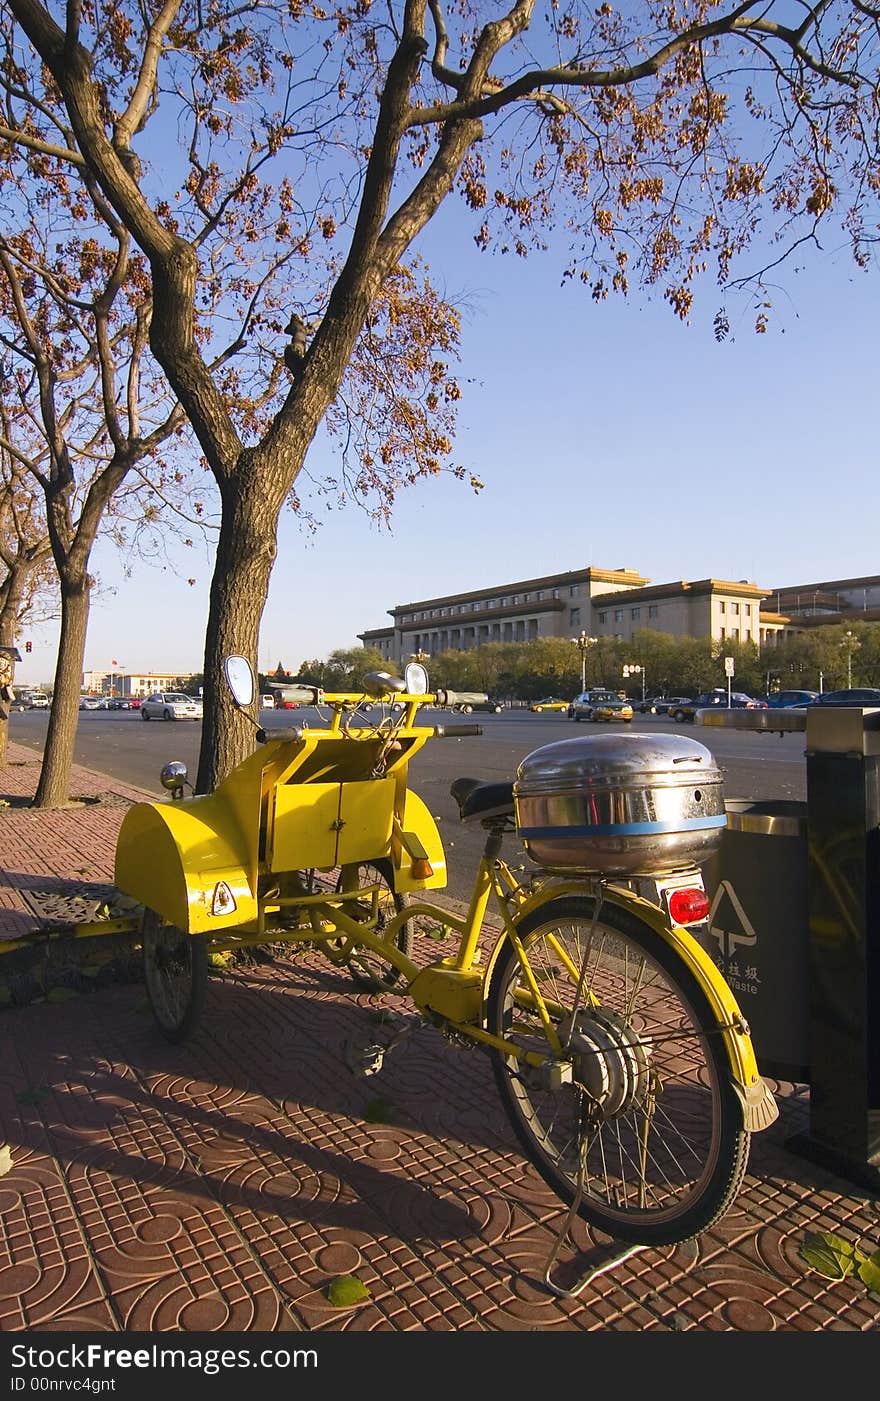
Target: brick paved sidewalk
[{"x": 225, "y": 1184}]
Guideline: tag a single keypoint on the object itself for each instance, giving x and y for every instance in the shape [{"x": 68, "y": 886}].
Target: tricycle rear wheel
[
  {"x": 176, "y": 976},
  {"x": 369, "y": 970}
]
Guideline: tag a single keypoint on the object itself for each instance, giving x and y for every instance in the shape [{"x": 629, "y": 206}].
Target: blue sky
[{"x": 610, "y": 435}]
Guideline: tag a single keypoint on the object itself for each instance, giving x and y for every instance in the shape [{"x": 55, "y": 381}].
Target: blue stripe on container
[{"x": 627, "y": 829}]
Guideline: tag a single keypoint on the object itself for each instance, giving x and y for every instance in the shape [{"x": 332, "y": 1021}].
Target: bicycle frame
[{"x": 228, "y": 866}]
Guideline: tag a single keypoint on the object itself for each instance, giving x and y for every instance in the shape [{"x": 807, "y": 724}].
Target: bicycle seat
[
  {"x": 379, "y": 683},
  {"x": 478, "y": 800}
]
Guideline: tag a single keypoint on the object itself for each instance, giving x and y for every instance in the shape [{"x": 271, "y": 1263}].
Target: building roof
[
  {"x": 742, "y": 588},
  {"x": 629, "y": 577}
]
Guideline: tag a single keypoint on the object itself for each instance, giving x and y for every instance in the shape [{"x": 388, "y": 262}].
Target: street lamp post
[
  {"x": 850, "y": 642},
  {"x": 582, "y": 642}
]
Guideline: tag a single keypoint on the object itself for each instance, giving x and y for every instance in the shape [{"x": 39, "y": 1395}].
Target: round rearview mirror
[
  {"x": 416, "y": 679},
  {"x": 239, "y": 679},
  {"x": 173, "y": 775}
]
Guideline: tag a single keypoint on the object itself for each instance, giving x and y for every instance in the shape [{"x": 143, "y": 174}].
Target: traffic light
[{"x": 27, "y": 646}]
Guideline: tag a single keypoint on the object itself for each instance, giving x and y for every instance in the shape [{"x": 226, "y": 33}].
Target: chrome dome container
[{"x": 609, "y": 804}]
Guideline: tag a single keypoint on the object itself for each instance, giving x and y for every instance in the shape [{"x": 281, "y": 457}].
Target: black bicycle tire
[
  {"x": 730, "y": 1138},
  {"x": 196, "y": 947},
  {"x": 405, "y": 939}
]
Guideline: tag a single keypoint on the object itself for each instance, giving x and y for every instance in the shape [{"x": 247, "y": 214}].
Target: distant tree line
[{"x": 824, "y": 658}]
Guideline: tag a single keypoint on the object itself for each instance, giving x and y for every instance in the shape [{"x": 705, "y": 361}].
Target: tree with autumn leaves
[{"x": 274, "y": 165}]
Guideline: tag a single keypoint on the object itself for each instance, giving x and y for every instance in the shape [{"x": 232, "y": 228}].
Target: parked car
[
  {"x": 738, "y": 701},
  {"x": 581, "y": 708},
  {"x": 90, "y": 702},
  {"x": 119, "y": 703},
  {"x": 267, "y": 701},
  {"x": 785, "y": 700},
  {"x": 171, "y": 705},
  {"x": 648, "y": 706},
  {"x": 663, "y": 707},
  {"x": 490, "y": 704},
  {"x": 549, "y": 703},
  {"x": 135, "y": 703},
  {"x": 39, "y": 700},
  {"x": 858, "y": 695}
]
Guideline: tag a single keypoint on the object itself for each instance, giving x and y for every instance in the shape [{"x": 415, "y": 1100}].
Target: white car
[
  {"x": 171, "y": 705},
  {"x": 267, "y": 702},
  {"x": 90, "y": 702},
  {"x": 39, "y": 700}
]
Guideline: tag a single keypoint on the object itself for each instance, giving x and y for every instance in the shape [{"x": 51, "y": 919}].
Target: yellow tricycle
[{"x": 620, "y": 1054}]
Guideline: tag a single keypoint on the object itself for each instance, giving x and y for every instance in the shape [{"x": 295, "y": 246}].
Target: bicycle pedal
[{"x": 365, "y": 1059}]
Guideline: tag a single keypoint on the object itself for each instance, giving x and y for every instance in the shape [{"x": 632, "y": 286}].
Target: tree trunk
[
  {"x": 53, "y": 789},
  {"x": 245, "y": 554},
  {"x": 12, "y": 602}
]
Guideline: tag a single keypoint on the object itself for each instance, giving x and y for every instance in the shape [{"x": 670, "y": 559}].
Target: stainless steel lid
[{"x": 596, "y": 762}]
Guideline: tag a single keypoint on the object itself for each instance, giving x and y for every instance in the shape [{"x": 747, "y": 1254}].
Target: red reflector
[{"x": 688, "y": 906}]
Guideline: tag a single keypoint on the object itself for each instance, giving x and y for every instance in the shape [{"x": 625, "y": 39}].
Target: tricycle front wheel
[{"x": 176, "y": 975}]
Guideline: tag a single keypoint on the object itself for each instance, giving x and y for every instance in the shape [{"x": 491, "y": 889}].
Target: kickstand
[
  {"x": 585, "y": 1280},
  {"x": 609, "y": 1263}
]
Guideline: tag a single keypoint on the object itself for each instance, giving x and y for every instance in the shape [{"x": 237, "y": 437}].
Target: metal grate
[{"x": 73, "y": 902}]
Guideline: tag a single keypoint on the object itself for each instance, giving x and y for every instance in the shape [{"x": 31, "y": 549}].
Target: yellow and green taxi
[
  {"x": 549, "y": 703},
  {"x": 612, "y": 709}
]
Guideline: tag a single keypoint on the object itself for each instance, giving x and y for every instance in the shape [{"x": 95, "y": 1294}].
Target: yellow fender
[
  {"x": 415, "y": 840},
  {"x": 759, "y": 1106},
  {"x": 185, "y": 861}
]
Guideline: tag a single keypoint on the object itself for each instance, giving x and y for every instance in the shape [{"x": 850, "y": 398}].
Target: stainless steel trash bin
[{"x": 758, "y": 927}]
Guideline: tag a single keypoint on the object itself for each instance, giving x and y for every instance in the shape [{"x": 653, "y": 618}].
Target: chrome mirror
[
  {"x": 174, "y": 776},
  {"x": 240, "y": 679},
  {"x": 416, "y": 679}
]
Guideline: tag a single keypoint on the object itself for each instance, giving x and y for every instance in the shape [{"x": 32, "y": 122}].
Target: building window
[
  {"x": 653, "y": 610},
  {"x": 555, "y": 593},
  {"x": 603, "y": 617},
  {"x": 635, "y": 613},
  {"x": 539, "y": 593},
  {"x": 618, "y": 615},
  {"x": 747, "y": 609},
  {"x": 722, "y": 606},
  {"x": 573, "y": 591},
  {"x": 574, "y": 617},
  {"x": 734, "y": 607}
]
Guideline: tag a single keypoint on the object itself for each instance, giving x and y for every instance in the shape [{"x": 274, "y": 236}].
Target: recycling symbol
[{"x": 728, "y": 921}]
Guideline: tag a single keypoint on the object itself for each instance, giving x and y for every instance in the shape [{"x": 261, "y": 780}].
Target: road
[{"x": 119, "y": 743}]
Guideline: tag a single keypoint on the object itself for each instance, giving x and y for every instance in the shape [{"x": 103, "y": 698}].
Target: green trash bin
[{"x": 757, "y": 931}]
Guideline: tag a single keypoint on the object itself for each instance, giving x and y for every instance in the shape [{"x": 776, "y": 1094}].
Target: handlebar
[
  {"x": 289, "y": 732},
  {"x": 461, "y": 697},
  {"x": 303, "y": 695},
  {"x": 456, "y": 731}
]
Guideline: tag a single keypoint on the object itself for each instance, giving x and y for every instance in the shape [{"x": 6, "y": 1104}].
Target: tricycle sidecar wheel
[
  {"x": 367, "y": 969},
  {"x": 176, "y": 976}
]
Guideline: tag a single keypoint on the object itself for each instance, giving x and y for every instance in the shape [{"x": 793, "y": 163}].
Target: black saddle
[{"x": 482, "y": 802}]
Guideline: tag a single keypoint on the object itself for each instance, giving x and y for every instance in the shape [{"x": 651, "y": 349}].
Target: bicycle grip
[
  {"x": 289, "y": 732},
  {"x": 303, "y": 695},
  {"x": 456, "y": 731},
  {"x": 461, "y": 697}
]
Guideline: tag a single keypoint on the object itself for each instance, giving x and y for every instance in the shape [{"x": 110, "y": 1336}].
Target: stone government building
[{"x": 617, "y": 603}]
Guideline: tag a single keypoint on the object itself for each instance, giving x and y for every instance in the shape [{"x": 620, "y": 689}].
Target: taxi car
[
  {"x": 612, "y": 709},
  {"x": 549, "y": 703}
]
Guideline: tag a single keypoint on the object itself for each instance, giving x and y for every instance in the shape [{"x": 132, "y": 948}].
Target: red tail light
[{"x": 688, "y": 906}]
